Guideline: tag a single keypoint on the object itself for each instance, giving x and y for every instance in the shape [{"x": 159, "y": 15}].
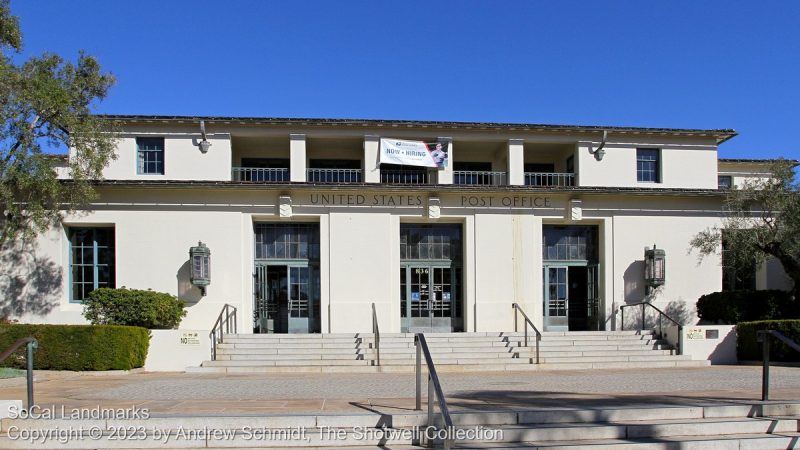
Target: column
[
  {"x": 372, "y": 172},
  {"x": 445, "y": 176},
  {"x": 516, "y": 162},
  {"x": 297, "y": 157}
]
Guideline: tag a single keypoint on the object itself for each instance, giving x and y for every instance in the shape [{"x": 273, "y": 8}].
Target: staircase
[
  {"x": 450, "y": 351},
  {"x": 652, "y": 427}
]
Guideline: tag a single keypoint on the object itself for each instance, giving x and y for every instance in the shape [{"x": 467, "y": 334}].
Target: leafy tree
[
  {"x": 45, "y": 103},
  {"x": 762, "y": 219}
]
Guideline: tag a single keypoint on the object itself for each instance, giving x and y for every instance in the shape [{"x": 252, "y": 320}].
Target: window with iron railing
[
  {"x": 477, "y": 173},
  {"x": 334, "y": 171},
  {"x": 397, "y": 174},
  {"x": 549, "y": 179},
  {"x": 262, "y": 170}
]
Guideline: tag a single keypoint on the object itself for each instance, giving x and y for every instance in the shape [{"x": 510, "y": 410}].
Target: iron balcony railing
[
  {"x": 260, "y": 174},
  {"x": 334, "y": 175},
  {"x": 549, "y": 179},
  {"x": 478, "y": 177},
  {"x": 405, "y": 177}
]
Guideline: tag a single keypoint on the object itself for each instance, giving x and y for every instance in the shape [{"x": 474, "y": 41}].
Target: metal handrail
[
  {"x": 32, "y": 343},
  {"x": 549, "y": 179},
  {"x": 260, "y": 174},
  {"x": 225, "y": 324},
  {"x": 377, "y": 332},
  {"x": 479, "y": 177},
  {"x": 434, "y": 388},
  {"x": 528, "y": 321},
  {"x": 404, "y": 176},
  {"x": 333, "y": 175},
  {"x": 762, "y": 336},
  {"x": 660, "y": 327}
]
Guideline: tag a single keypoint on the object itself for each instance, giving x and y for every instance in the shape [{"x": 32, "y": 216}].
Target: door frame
[
  {"x": 455, "y": 321},
  {"x": 593, "y": 299},
  {"x": 313, "y": 319}
]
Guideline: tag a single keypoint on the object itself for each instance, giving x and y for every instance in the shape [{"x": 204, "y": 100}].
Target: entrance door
[
  {"x": 270, "y": 299},
  {"x": 556, "y": 298},
  {"x": 578, "y": 294},
  {"x": 570, "y": 296},
  {"x": 429, "y": 299},
  {"x": 282, "y": 300},
  {"x": 299, "y": 300}
]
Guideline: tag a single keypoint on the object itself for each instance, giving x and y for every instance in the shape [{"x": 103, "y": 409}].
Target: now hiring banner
[{"x": 414, "y": 153}]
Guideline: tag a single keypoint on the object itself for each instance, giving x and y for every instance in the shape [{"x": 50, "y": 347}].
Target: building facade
[{"x": 307, "y": 229}]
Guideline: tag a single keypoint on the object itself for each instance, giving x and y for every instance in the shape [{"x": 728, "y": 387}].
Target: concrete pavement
[{"x": 181, "y": 393}]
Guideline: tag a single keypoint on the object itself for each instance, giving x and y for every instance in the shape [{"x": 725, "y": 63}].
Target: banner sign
[{"x": 414, "y": 153}]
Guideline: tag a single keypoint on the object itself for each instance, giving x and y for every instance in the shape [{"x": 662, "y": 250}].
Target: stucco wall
[
  {"x": 684, "y": 164},
  {"x": 183, "y": 160},
  {"x": 360, "y": 258}
]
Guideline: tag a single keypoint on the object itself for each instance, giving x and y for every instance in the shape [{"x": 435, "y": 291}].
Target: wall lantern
[
  {"x": 200, "y": 258},
  {"x": 654, "y": 266}
]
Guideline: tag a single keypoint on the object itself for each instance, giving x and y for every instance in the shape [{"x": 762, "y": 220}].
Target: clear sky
[{"x": 693, "y": 64}]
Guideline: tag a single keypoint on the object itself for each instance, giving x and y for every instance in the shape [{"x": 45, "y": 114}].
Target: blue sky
[{"x": 694, "y": 64}]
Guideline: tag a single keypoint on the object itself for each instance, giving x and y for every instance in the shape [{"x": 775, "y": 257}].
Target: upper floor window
[
  {"x": 724, "y": 181},
  {"x": 150, "y": 156},
  {"x": 648, "y": 165},
  {"x": 91, "y": 260}
]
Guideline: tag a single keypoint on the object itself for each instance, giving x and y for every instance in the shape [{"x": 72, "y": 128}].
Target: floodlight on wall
[
  {"x": 599, "y": 152},
  {"x": 654, "y": 267},
  {"x": 200, "y": 260},
  {"x": 203, "y": 144}
]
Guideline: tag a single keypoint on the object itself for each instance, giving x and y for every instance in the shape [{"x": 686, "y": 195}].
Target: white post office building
[{"x": 308, "y": 222}]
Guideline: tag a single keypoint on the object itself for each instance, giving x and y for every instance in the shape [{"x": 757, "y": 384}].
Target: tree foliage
[
  {"x": 762, "y": 219},
  {"x": 45, "y": 103}
]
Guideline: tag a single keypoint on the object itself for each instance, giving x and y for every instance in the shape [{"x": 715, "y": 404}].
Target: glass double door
[
  {"x": 570, "y": 298},
  {"x": 284, "y": 299},
  {"x": 430, "y": 299}
]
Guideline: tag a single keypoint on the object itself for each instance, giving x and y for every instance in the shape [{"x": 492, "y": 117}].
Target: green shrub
[
  {"x": 732, "y": 307},
  {"x": 748, "y": 349},
  {"x": 147, "y": 309},
  {"x": 78, "y": 347}
]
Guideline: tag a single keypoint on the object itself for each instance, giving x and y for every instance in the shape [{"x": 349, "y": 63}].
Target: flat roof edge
[{"x": 722, "y": 135}]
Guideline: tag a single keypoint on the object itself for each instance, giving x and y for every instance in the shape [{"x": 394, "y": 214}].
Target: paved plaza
[{"x": 180, "y": 393}]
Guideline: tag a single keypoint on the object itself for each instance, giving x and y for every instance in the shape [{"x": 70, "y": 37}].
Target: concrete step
[
  {"x": 724, "y": 442},
  {"x": 713, "y": 426},
  {"x": 593, "y": 353},
  {"x": 350, "y": 351},
  {"x": 644, "y": 430},
  {"x": 602, "y": 348},
  {"x": 614, "y": 358},
  {"x": 620, "y": 364}
]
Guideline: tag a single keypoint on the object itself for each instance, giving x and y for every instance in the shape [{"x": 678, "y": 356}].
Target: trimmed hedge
[
  {"x": 134, "y": 307},
  {"x": 749, "y": 350},
  {"x": 78, "y": 347},
  {"x": 732, "y": 307}
]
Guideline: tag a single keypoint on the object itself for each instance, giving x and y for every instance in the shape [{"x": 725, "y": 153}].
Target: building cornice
[
  {"x": 373, "y": 187},
  {"x": 721, "y": 135}
]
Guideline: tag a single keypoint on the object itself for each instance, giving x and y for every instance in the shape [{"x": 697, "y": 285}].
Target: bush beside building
[
  {"x": 133, "y": 307},
  {"x": 733, "y": 307},
  {"x": 749, "y": 349},
  {"x": 78, "y": 347}
]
